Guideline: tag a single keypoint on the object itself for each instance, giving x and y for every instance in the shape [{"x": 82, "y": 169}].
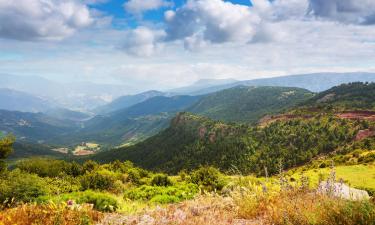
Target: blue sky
[{"x": 161, "y": 44}]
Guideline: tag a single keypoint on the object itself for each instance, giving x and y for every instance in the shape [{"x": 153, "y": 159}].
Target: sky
[{"x": 161, "y": 44}]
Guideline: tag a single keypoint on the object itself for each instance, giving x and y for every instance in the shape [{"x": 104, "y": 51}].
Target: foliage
[
  {"x": 44, "y": 167},
  {"x": 6, "y": 147},
  {"x": 161, "y": 180},
  {"x": 208, "y": 178},
  {"x": 192, "y": 141},
  {"x": 248, "y": 104},
  {"x": 160, "y": 194},
  {"x": 97, "y": 180},
  {"x": 16, "y": 186},
  {"x": 101, "y": 201},
  {"x": 355, "y": 95}
]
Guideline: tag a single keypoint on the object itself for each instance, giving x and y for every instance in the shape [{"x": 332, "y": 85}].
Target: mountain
[
  {"x": 355, "y": 95},
  {"x": 20, "y": 101},
  {"x": 191, "y": 140},
  {"x": 315, "y": 82},
  {"x": 34, "y": 127},
  {"x": 127, "y": 101},
  {"x": 202, "y": 84},
  {"x": 66, "y": 114},
  {"x": 248, "y": 104},
  {"x": 135, "y": 123},
  {"x": 78, "y": 96}
]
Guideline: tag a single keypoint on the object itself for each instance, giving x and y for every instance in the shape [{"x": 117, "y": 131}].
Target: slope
[
  {"x": 127, "y": 101},
  {"x": 248, "y": 104},
  {"x": 20, "y": 101}
]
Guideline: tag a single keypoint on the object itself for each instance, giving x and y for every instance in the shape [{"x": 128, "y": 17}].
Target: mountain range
[
  {"x": 131, "y": 119},
  {"x": 302, "y": 134}
]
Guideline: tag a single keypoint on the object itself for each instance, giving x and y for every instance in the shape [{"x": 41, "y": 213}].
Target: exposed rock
[{"x": 342, "y": 190}]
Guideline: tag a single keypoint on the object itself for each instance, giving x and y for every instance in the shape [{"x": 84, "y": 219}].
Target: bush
[
  {"x": 208, "y": 178},
  {"x": 97, "y": 180},
  {"x": 44, "y": 167},
  {"x": 65, "y": 184},
  {"x": 101, "y": 201},
  {"x": 163, "y": 194},
  {"x": 135, "y": 175},
  {"x": 21, "y": 187},
  {"x": 161, "y": 180}
]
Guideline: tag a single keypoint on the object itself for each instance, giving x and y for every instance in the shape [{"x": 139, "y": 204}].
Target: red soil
[
  {"x": 363, "y": 134},
  {"x": 357, "y": 115}
]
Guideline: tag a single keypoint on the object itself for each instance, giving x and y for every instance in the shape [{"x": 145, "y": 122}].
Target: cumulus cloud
[
  {"x": 42, "y": 19},
  {"x": 143, "y": 41},
  {"x": 214, "y": 21},
  {"x": 137, "y": 7},
  {"x": 347, "y": 11}
]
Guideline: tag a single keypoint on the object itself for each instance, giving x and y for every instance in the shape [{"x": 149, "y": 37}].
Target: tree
[{"x": 6, "y": 147}]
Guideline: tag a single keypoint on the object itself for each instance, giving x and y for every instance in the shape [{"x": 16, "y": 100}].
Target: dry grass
[
  {"x": 204, "y": 210},
  {"x": 305, "y": 207},
  {"x": 49, "y": 214}
]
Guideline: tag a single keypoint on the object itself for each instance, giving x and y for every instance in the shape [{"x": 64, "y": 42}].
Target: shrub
[
  {"x": 159, "y": 194},
  {"x": 97, "y": 180},
  {"x": 21, "y": 187},
  {"x": 89, "y": 166},
  {"x": 44, "y": 167},
  {"x": 135, "y": 175},
  {"x": 161, "y": 180},
  {"x": 101, "y": 201},
  {"x": 64, "y": 184},
  {"x": 208, "y": 178}
]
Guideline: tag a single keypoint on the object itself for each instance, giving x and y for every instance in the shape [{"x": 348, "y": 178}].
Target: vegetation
[
  {"x": 223, "y": 173},
  {"x": 248, "y": 104}
]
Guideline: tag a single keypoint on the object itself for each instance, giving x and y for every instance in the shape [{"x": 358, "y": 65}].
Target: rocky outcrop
[{"x": 342, "y": 190}]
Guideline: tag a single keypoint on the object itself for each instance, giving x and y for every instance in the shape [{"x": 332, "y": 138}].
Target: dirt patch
[
  {"x": 357, "y": 115},
  {"x": 363, "y": 134},
  {"x": 282, "y": 117}
]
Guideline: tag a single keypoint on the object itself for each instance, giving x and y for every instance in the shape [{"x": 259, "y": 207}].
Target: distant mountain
[
  {"x": 248, "y": 104},
  {"x": 127, "y": 101},
  {"x": 34, "y": 127},
  {"x": 158, "y": 104},
  {"x": 66, "y": 114},
  {"x": 20, "y": 101},
  {"x": 315, "y": 82},
  {"x": 202, "y": 84},
  {"x": 135, "y": 123},
  {"x": 78, "y": 96}
]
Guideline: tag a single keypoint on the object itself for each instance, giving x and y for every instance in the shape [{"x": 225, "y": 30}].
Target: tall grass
[{"x": 49, "y": 214}]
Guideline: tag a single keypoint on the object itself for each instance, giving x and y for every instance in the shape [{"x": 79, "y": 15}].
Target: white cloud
[
  {"x": 214, "y": 21},
  {"x": 143, "y": 41},
  {"x": 137, "y": 7},
  {"x": 347, "y": 11},
  {"x": 42, "y": 19}
]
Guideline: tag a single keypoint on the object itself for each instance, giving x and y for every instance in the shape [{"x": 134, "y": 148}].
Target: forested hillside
[
  {"x": 346, "y": 96},
  {"x": 192, "y": 140},
  {"x": 248, "y": 104}
]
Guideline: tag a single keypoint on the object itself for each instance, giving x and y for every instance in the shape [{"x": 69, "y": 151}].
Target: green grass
[{"x": 357, "y": 176}]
